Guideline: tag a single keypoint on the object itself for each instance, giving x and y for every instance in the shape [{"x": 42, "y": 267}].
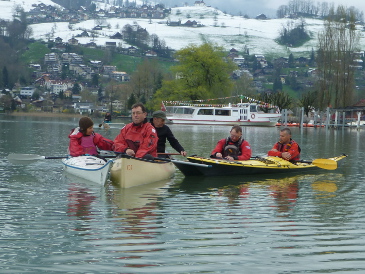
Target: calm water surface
[{"x": 51, "y": 222}]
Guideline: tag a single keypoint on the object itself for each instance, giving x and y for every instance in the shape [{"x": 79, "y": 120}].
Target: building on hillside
[
  {"x": 239, "y": 61},
  {"x": 84, "y": 108},
  {"x": 119, "y": 76},
  {"x": 199, "y": 3},
  {"x": 73, "y": 41},
  {"x": 110, "y": 45},
  {"x": 151, "y": 53},
  {"x": 107, "y": 70},
  {"x": 50, "y": 58},
  {"x": 261, "y": 17},
  {"x": 27, "y": 91}
]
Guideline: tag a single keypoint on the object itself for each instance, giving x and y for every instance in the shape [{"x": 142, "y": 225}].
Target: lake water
[{"x": 51, "y": 222}]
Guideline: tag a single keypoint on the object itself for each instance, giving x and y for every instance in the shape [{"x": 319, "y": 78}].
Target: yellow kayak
[{"x": 265, "y": 165}]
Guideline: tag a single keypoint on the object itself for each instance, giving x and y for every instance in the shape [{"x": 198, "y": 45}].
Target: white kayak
[
  {"x": 90, "y": 168},
  {"x": 128, "y": 171}
]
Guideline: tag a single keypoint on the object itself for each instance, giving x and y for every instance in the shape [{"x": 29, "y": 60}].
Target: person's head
[
  {"x": 285, "y": 135},
  {"x": 86, "y": 125},
  {"x": 159, "y": 118},
  {"x": 139, "y": 113},
  {"x": 235, "y": 133}
]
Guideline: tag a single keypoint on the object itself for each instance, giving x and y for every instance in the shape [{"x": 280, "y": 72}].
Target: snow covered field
[{"x": 225, "y": 30}]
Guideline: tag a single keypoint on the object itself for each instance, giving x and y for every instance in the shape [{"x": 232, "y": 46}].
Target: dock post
[
  {"x": 327, "y": 117},
  {"x": 358, "y": 120}
]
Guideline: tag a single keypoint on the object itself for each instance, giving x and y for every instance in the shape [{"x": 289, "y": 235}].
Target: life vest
[
  {"x": 87, "y": 143},
  {"x": 286, "y": 148},
  {"x": 232, "y": 148}
]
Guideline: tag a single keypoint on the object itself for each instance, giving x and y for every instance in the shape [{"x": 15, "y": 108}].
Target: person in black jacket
[{"x": 164, "y": 132}]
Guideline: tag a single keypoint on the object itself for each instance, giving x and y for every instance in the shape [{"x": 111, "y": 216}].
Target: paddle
[
  {"x": 182, "y": 162},
  {"x": 322, "y": 163},
  {"x": 30, "y": 158}
]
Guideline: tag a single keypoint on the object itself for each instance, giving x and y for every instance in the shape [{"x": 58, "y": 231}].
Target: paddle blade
[
  {"x": 325, "y": 164},
  {"x": 24, "y": 159}
]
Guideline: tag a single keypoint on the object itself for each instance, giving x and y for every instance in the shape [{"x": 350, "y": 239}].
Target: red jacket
[
  {"x": 292, "y": 147},
  {"x": 75, "y": 148},
  {"x": 141, "y": 138},
  {"x": 245, "y": 149}
]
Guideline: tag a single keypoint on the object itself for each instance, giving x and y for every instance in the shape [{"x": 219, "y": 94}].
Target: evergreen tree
[
  {"x": 278, "y": 85},
  {"x": 5, "y": 77},
  {"x": 291, "y": 60},
  {"x": 131, "y": 101},
  {"x": 76, "y": 89}
]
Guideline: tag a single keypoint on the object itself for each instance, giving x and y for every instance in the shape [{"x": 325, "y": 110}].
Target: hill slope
[{"x": 225, "y": 30}]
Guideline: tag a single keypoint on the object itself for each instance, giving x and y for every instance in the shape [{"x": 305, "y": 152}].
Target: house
[
  {"x": 173, "y": 23},
  {"x": 199, "y": 3},
  {"x": 261, "y": 17},
  {"x": 132, "y": 50},
  {"x": 109, "y": 69},
  {"x": 117, "y": 35},
  {"x": 50, "y": 58},
  {"x": 73, "y": 41},
  {"x": 98, "y": 27},
  {"x": 84, "y": 107},
  {"x": 239, "y": 60},
  {"x": 151, "y": 53},
  {"x": 27, "y": 91},
  {"x": 58, "y": 40},
  {"x": 110, "y": 45},
  {"x": 119, "y": 76}
]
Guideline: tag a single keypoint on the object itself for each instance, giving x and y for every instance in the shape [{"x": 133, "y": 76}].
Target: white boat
[
  {"x": 129, "y": 171},
  {"x": 90, "y": 168},
  {"x": 244, "y": 114}
]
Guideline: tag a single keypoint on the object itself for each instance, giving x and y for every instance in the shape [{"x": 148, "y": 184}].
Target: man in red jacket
[
  {"x": 286, "y": 148},
  {"x": 233, "y": 147},
  {"x": 139, "y": 138}
]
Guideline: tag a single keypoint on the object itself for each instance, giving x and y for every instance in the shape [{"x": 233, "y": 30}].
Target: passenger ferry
[{"x": 244, "y": 114}]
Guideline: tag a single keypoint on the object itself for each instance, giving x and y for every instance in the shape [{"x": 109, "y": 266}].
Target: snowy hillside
[
  {"x": 225, "y": 30},
  {"x": 7, "y": 7}
]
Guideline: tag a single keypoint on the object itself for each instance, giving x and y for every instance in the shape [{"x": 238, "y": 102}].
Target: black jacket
[{"x": 164, "y": 133}]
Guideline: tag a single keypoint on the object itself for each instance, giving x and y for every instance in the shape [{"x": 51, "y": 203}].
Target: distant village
[{"x": 48, "y": 75}]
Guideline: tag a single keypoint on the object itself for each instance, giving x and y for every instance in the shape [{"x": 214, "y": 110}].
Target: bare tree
[{"x": 336, "y": 46}]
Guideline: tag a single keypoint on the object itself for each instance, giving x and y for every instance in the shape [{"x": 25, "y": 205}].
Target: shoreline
[{"x": 45, "y": 114}]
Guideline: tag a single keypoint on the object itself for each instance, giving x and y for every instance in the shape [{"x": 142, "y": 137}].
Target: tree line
[{"x": 309, "y": 8}]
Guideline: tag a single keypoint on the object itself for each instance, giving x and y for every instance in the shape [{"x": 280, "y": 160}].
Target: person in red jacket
[
  {"x": 233, "y": 147},
  {"x": 83, "y": 139},
  {"x": 286, "y": 148},
  {"x": 139, "y": 138}
]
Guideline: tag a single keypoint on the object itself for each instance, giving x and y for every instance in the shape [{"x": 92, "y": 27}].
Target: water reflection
[{"x": 284, "y": 190}]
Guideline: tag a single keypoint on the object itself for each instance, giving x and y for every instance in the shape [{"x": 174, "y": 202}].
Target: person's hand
[
  {"x": 183, "y": 153},
  {"x": 130, "y": 152},
  {"x": 219, "y": 155},
  {"x": 286, "y": 155},
  {"x": 274, "y": 150},
  {"x": 229, "y": 158}
]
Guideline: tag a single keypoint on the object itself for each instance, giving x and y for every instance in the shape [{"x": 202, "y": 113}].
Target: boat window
[
  {"x": 223, "y": 112},
  {"x": 253, "y": 108},
  {"x": 188, "y": 110},
  {"x": 205, "y": 112}
]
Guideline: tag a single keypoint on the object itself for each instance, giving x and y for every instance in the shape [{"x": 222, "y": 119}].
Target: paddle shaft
[{"x": 182, "y": 162}]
